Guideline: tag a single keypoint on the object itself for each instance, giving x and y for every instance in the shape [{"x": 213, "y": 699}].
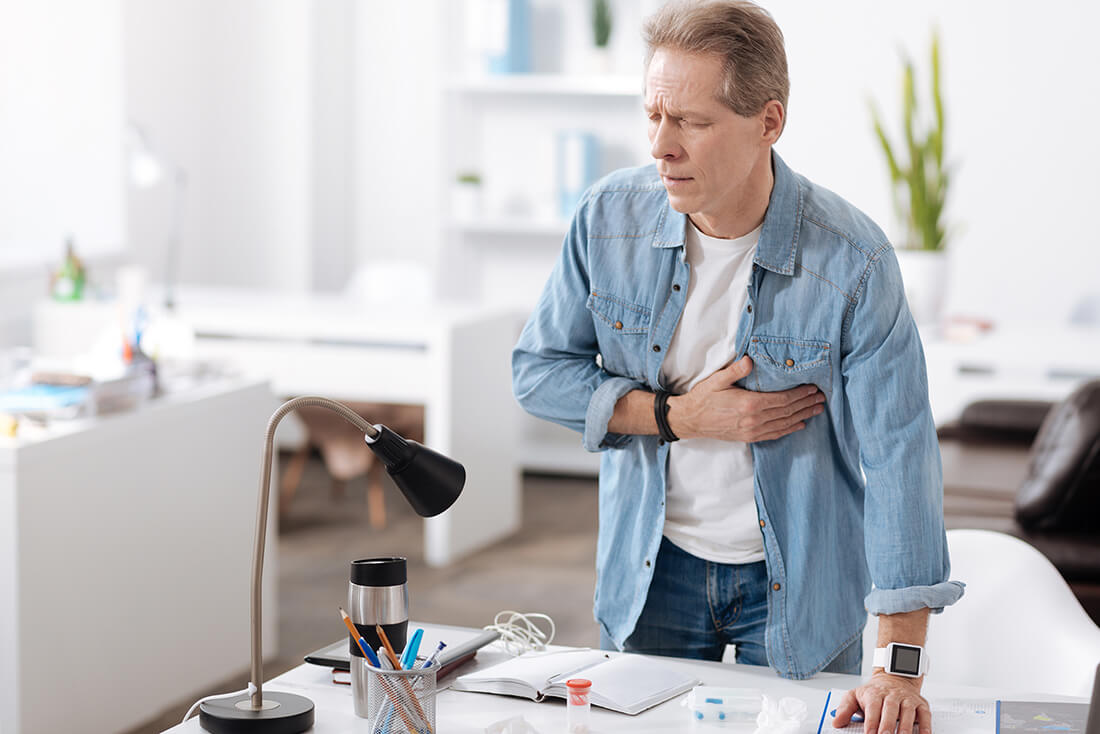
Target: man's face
[{"x": 709, "y": 157}]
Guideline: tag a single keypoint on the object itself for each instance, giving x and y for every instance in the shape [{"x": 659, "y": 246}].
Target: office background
[
  {"x": 322, "y": 141},
  {"x": 313, "y": 134}
]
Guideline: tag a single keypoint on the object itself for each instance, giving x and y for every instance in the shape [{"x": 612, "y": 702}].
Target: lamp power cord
[{"x": 191, "y": 711}]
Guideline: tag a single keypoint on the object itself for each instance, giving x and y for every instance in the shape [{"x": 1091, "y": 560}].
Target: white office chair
[{"x": 1018, "y": 628}]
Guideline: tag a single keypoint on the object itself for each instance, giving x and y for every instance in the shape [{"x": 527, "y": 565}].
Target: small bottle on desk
[{"x": 578, "y": 708}]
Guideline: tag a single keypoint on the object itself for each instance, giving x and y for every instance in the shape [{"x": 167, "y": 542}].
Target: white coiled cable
[{"x": 519, "y": 632}]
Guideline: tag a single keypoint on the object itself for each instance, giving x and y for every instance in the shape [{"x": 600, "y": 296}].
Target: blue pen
[
  {"x": 431, "y": 661},
  {"x": 408, "y": 657}
]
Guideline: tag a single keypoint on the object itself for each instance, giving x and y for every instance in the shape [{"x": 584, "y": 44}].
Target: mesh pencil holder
[{"x": 401, "y": 701}]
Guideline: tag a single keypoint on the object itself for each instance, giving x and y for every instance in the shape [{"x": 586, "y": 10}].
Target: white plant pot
[
  {"x": 925, "y": 275},
  {"x": 466, "y": 203},
  {"x": 600, "y": 60}
]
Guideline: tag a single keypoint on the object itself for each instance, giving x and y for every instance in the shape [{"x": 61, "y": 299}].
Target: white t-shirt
[{"x": 710, "y": 509}]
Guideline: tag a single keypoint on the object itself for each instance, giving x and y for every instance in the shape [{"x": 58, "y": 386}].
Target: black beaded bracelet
[{"x": 660, "y": 412}]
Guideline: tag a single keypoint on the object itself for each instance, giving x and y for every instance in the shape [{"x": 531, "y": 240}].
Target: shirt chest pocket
[
  {"x": 780, "y": 363},
  {"x": 622, "y": 330}
]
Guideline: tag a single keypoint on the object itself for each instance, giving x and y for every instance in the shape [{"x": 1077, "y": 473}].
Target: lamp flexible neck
[{"x": 257, "y": 672}]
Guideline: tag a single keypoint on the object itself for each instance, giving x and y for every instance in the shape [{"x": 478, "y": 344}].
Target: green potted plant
[
  {"x": 601, "y": 36},
  {"x": 919, "y": 179}
]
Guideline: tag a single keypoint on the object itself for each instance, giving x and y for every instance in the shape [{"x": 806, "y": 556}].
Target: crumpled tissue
[
  {"x": 783, "y": 716},
  {"x": 514, "y": 725}
]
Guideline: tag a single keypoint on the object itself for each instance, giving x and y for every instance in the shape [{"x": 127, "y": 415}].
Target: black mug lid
[{"x": 379, "y": 571}]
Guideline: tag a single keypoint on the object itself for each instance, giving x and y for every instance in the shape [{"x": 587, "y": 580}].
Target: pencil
[
  {"x": 358, "y": 638},
  {"x": 389, "y": 648}
]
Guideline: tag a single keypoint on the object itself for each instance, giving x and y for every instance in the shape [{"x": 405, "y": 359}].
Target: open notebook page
[
  {"x": 631, "y": 684},
  {"x": 536, "y": 668}
]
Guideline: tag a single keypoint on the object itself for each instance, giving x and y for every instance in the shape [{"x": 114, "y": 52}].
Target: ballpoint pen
[
  {"x": 408, "y": 657},
  {"x": 431, "y": 661}
]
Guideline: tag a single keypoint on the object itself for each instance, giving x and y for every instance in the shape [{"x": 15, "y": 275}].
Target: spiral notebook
[{"x": 628, "y": 684}]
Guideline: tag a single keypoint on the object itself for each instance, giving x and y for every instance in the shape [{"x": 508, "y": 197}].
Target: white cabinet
[{"x": 125, "y": 558}]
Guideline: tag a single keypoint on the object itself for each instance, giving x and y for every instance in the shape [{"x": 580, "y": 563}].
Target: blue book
[
  {"x": 578, "y": 165},
  {"x": 508, "y": 36},
  {"x": 41, "y": 398}
]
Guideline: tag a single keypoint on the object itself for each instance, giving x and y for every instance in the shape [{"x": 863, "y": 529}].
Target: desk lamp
[
  {"x": 147, "y": 170},
  {"x": 430, "y": 482}
]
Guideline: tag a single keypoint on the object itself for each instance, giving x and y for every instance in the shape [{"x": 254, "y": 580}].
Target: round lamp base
[{"x": 283, "y": 713}]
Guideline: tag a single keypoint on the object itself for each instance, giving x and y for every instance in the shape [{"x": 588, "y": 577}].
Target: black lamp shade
[{"x": 430, "y": 481}]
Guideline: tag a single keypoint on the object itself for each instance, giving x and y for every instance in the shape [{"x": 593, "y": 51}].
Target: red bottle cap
[{"x": 578, "y": 684}]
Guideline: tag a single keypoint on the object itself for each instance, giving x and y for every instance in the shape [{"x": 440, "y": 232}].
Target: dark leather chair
[{"x": 1058, "y": 504}]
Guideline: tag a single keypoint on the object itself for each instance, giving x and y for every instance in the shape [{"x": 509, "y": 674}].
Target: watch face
[{"x": 906, "y": 659}]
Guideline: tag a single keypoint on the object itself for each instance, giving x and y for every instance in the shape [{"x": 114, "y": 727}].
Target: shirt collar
[{"x": 778, "y": 243}]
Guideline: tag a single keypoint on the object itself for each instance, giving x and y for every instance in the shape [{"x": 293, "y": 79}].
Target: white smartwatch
[{"x": 897, "y": 658}]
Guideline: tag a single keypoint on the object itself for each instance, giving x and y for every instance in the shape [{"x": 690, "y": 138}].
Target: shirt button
[
  {"x": 647, "y": 563},
  {"x": 656, "y": 347},
  {"x": 618, "y": 324},
  {"x": 750, "y": 308},
  {"x": 775, "y": 587},
  {"x": 761, "y": 523},
  {"x": 790, "y": 363},
  {"x": 676, "y": 287}
]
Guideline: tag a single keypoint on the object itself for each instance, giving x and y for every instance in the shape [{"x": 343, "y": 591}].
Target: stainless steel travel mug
[{"x": 377, "y": 595}]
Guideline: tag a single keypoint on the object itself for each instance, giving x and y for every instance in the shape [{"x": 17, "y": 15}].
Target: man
[{"x": 735, "y": 339}]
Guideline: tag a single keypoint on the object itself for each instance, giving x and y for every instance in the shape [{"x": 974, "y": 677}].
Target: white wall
[
  {"x": 1023, "y": 107},
  {"x": 333, "y": 236},
  {"x": 399, "y": 130},
  {"x": 225, "y": 90},
  {"x": 60, "y": 129},
  {"x": 61, "y": 138}
]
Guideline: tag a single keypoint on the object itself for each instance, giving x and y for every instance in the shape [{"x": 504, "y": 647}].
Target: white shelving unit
[
  {"x": 576, "y": 85},
  {"x": 505, "y": 129}
]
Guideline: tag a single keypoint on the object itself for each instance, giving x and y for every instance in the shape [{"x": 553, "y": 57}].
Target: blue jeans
[{"x": 695, "y": 608}]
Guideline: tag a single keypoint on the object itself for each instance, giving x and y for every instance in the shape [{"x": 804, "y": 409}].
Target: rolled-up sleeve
[
  {"x": 887, "y": 388},
  {"x": 555, "y": 374}
]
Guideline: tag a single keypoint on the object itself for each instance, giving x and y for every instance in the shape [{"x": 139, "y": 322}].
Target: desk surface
[{"x": 461, "y": 712}]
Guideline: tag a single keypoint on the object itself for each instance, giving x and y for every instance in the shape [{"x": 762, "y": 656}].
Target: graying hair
[{"x": 742, "y": 34}]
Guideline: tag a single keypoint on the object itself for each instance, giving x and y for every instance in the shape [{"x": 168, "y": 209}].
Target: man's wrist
[
  {"x": 660, "y": 414},
  {"x": 675, "y": 416}
]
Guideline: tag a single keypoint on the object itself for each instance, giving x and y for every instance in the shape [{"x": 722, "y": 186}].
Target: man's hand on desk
[
  {"x": 887, "y": 701},
  {"x": 715, "y": 408}
]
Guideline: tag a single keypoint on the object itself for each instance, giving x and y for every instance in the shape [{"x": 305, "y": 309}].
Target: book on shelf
[{"x": 628, "y": 684}]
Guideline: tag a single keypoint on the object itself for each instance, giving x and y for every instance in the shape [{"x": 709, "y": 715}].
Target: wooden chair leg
[
  {"x": 376, "y": 496},
  {"x": 293, "y": 477}
]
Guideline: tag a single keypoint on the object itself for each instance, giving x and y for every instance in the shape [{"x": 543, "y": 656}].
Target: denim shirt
[{"x": 851, "y": 507}]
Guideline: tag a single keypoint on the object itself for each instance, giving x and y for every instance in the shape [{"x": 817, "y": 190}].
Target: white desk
[
  {"x": 1012, "y": 363},
  {"x": 470, "y": 713},
  {"x": 453, "y": 360},
  {"x": 125, "y": 553}
]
